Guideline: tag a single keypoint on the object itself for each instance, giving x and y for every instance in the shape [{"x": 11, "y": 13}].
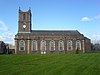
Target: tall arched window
[
  {"x": 78, "y": 44},
  {"x": 22, "y": 45},
  {"x": 24, "y": 16},
  {"x": 69, "y": 45},
  {"x": 52, "y": 45},
  {"x": 43, "y": 45},
  {"x": 61, "y": 45},
  {"x": 34, "y": 45}
]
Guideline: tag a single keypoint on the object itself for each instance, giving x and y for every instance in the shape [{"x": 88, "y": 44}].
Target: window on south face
[
  {"x": 43, "y": 45},
  {"x": 52, "y": 45},
  {"x": 21, "y": 45},
  {"x": 61, "y": 45},
  {"x": 69, "y": 45},
  {"x": 34, "y": 45},
  {"x": 78, "y": 44}
]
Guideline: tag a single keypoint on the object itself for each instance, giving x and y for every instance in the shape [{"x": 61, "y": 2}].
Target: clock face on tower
[{"x": 24, "y": 26}]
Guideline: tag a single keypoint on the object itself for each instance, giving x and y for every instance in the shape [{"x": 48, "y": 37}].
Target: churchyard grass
[{"x": 50, "y": 64}]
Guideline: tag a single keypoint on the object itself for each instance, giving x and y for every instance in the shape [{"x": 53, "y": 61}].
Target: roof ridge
[{"x": 54, "y": 30}]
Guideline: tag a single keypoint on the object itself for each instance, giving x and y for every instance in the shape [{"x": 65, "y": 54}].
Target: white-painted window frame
[
  {"x": 61, "y": 43},
  {"x": 52, "y": 41},
  {"x": 71, "y": 45},
  {"x": 22, "y": 46},
  {"x": 43, "y": 43},
  {"x": 78, "y": 42},
  {"x": 34, "y": 41}
]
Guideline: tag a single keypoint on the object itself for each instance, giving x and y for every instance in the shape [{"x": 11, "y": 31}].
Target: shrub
[{"x": 77, "y": 51}]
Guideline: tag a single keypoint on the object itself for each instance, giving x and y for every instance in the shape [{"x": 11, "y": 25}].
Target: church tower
[{"x": 24, "y": 23}]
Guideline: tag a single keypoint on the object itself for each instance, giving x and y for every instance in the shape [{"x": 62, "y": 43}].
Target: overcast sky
[{"x": 81, "y": 15}]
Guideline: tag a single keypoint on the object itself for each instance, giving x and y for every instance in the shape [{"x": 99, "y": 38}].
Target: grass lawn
[{"x": 54, "y": 64}]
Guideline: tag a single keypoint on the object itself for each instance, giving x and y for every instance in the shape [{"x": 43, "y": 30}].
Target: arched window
[
  {"x": 69, "y": 45},
  {"x": 52, "y": 45},
  {"x": 43, "y": 45},
  {"x": 24, "y": 16},
  {"x": 61, "y": 45},
  {"x": 34, "y": 45},
  {"x": 78, "y": 44},
  {"x": 22, "y": 45}
]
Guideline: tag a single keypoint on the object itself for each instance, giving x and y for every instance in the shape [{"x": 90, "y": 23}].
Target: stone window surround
[
  {"x": 78, "y": 42},
  {"x": 22, "y": 46},
  {"x": 69, "y": 42},
  {"x": 34, "y": 41},
  {"x": 61, "y": 42},
  {"x": 52, "y": 41},
  {"x": 41, "y": 45}
]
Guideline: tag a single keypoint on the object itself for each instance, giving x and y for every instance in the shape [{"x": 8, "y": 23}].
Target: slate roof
[{"x": 53, "y": 32}]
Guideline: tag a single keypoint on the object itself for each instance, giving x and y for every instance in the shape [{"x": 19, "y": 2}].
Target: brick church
[{"x": 28, "y": 41}]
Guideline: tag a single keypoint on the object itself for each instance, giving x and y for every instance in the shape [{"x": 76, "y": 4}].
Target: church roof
[{"x": 53, "y": 32}]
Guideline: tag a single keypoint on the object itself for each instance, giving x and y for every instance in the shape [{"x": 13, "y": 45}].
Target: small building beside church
[
  {"x": 28, "y": 41},
  {"x": 3, "y": 48}
]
